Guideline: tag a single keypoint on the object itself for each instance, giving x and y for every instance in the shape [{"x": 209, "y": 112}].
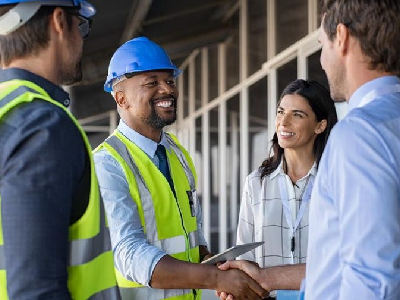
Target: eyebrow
[
  {"x": 300, "y": 111},
  {"x": 295, "y": 110}
]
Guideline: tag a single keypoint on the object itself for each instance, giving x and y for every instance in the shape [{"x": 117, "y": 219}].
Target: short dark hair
[
  {"x": 321, "y": 103},
  {"x": 375, "y": 24},
  {"x": 30, "y": 38}
]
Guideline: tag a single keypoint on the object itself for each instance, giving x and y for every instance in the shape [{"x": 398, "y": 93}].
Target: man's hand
[
  {"x": 238, "y": 285},
  {"x": 285, "y": 277},
  {"x": 250, "y": 268}
]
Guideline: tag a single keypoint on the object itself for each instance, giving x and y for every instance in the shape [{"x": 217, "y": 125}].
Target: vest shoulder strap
[
  {"x": 184, "y": 159},
  {"x": 121, "y": 154},
  {"x": 14, "y": 94}
]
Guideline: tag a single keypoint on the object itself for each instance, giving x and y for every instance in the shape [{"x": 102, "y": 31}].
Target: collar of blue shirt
[
  {"x": 378, "y": 83},
  {"x": 147, "y": 145}
]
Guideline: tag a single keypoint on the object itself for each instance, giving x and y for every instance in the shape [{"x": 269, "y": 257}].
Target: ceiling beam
[
  {"x": 95, "y": 66},
  {"x": 178, "y": 14},
  {"x": 195, "y": 41},
  {"x": 136, "y": 17}
]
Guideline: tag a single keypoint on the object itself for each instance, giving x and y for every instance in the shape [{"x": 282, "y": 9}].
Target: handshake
[
  {"x": 255, "y": 286},
  {"x": 251, "y": 272},
  {"x": 254, "y": 282}
]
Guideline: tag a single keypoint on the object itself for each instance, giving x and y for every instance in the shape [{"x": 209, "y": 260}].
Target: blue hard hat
[
  {"x": 26, "y": 9},
  {"x": 138, "y": 55}
]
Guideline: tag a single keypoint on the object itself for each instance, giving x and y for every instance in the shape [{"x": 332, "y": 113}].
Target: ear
[
  {"x": 120, "y": 99},
  {"x": 321, "y": 126},
  {"x": 342, "y": 38},
  {"x": 58, "y": 22}
]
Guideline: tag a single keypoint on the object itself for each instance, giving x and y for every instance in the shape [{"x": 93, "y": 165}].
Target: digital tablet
[{"x": 231, "y": 253}]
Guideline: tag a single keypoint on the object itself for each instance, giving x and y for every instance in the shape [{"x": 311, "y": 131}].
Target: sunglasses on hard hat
[
  {"x": 84, "y": 23},
  {"x": 84, "y": 26}
]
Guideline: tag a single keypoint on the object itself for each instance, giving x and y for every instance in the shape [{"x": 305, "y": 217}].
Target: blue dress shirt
[
  {"x": 354, "y": 235},
  {"x": 44, "y": 187},
  {"x": 133, "y": 255}
]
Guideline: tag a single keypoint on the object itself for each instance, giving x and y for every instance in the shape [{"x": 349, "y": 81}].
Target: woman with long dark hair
[{"x": 274, "y": 206}]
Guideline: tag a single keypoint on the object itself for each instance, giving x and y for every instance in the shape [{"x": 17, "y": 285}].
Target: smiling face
[
  {"x": 296, "y": 124},
  {"x": 147, "y": 101}
]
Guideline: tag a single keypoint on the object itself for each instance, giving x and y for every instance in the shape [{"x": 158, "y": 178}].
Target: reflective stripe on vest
[
  {"x": 158, "y": 294},
  {"x": 84, "y": 250},
  {"x": 90, "y": 270},
  {"x": 2, "y": 260},
  {"x": 180, "y": 246},
  {"x": 14, "y": 94},
  {"x": 149, "y": 216},
  {"x": 174, "y": 244},
  {"x": 111, "y": 293},
  {"x": 183, "y": 161}
]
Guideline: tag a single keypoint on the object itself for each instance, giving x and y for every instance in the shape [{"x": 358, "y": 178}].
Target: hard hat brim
[
  {"x": 108, "y": 85},
  {"x": 25, "y": 10}
]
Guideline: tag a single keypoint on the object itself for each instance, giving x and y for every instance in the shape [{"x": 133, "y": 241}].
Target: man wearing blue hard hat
[
  {"x": 54, "y": 240},
  {"x": 148, "y": 183}
]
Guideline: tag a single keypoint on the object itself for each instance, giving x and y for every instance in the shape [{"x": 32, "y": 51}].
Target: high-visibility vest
[
  {"x": 90, "y": 266},
  {"x": 168, "y": 222}
]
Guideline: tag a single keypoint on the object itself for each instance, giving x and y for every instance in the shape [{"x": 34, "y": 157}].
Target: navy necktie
[{"x": 163, "y": 165}]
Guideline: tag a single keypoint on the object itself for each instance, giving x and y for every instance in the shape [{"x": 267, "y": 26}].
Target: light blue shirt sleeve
[
  {"x": 367, "y": 201},
  {"x": 134, "y": 257}
]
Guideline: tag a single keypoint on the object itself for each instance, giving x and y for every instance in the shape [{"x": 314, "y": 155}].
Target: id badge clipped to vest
[
  {"x": 288, "y": 295},
  {"x": 192, "y": 197}
]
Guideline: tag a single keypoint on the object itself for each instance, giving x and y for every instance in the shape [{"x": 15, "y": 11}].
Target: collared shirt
[
  {"x": 262, "y": 218},
  {"x": 133, "y": 255},
  {"x": 354, "y": 244},
  {"x": 44, "y": 187}
]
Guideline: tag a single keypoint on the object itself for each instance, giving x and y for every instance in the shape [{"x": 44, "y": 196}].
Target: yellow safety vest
[
  {"x": 91, "y": 268},
  {"x": 167, "y": 220}
]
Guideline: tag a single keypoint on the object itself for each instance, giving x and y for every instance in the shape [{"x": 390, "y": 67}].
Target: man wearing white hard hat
[
  {"x": 54, "y": 240},
  {"x": 148, "y": 183}
]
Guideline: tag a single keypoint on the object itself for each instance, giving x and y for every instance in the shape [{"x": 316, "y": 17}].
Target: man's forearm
[
  {"x": 286, "y": 277},
  {"x": 171, "y": 273}
]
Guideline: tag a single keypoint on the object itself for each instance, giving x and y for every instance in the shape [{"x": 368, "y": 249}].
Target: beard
[
  {"x": 158, "y": 122},
  {"x": 336, "y": 80},
  {"x": 71, "y": 73}
]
